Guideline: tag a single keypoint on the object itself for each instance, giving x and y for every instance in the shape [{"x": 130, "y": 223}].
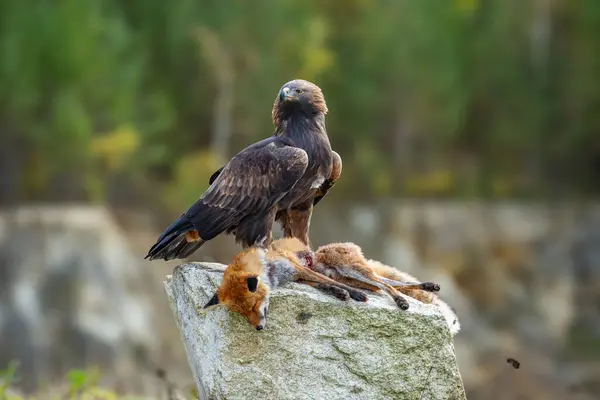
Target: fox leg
[
  {"x": 418, "y": 294},
  {"x": 355, "y": 283},
  {"x": 403, "y": 282},
  {"x": 334, "y": 291},
  {"x": 427, "y": 286},
  {"x": 366, "y": 276},
  {"x": 305, "y": 274}
]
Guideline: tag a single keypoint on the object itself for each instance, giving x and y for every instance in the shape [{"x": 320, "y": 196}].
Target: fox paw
[
  {"x": 358, "y": 295},
  {"x": 401, "y": 302},
  {"x": 430, "y": 287},
  {"x": 340, "y": 293}
]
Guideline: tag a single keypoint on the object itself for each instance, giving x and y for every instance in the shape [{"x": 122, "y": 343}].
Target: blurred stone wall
[
  {"x": 73, "y": 295},
  {"x": 524, "y": 280}
]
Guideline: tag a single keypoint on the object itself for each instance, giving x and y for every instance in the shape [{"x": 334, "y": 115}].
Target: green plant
[{"x": 8, "y": 377}]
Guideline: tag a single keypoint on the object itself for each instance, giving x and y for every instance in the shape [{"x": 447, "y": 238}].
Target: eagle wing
[
  {"x": 250, "y": 184},
  {"x": 323, "y": 189},
  {"x": 336, "y": 171}
]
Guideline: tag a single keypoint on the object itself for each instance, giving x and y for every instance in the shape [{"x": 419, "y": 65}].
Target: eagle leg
[
  {"x": 295, "y": 222},
  {"x": 256, "y": 230},
  {"x": 284, "y": 221}
]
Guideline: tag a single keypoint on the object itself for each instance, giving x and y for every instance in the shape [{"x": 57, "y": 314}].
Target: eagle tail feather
[
  {"x": 172, "y": 241},
  {"x": 189, "y": 248}
]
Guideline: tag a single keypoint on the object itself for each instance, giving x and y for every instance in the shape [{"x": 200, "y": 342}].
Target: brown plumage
[{"x": 279, "y": 178}]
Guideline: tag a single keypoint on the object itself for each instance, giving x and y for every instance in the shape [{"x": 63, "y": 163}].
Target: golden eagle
[{"x": 279, "y": 178}]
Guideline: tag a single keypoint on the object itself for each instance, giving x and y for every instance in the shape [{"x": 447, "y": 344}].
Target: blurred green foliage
[
  {"x": 80, "y": 384},
  {"x": 115, "y": 100},
  {"x": 8, "y": 377}
]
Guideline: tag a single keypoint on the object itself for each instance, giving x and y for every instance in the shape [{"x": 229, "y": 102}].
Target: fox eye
[{"x": 252, "y": 283}]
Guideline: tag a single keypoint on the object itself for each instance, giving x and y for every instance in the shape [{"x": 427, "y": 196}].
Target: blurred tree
[{"x": 457, "y": 98}]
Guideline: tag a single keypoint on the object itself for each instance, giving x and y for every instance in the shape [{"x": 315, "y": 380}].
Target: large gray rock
[{"x": 314, "y": 346}]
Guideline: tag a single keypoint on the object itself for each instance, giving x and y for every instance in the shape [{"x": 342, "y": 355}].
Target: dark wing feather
[
  {"x": 250, "y": 184},
  {"x": 336, "y": 171},
  {"x": 215, "y": 175}
]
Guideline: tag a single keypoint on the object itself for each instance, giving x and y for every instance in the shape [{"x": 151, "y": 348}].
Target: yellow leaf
[
  {"x": 466, "y": 6},
  {"x": 115, "y": 147},
  {"x": 434, "y": 183}
]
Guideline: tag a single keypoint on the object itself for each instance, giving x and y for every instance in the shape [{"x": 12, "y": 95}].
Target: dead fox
[
  {"x": 254, "y": 272},
  {"x": 345, "y": 262}
]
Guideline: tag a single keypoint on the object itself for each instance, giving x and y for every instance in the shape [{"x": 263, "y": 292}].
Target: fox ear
[
  {"x": 252, "y": 282},
  {"x": 214, "y": 300}
]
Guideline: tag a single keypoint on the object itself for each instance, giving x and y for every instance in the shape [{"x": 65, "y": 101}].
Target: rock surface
[{"x": 313, "y": 347}]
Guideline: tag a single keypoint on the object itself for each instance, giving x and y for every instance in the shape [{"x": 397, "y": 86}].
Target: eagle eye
[{"x": 299, "y": 91}]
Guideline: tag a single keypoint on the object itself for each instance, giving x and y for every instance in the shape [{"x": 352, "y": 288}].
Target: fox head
[{"x": 243, "y": 290}]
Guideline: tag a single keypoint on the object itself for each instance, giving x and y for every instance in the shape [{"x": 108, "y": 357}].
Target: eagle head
[{"x": 298, "y": 96}]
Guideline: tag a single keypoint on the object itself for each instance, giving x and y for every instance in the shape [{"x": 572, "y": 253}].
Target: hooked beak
[{"x": 286, "y": 95}]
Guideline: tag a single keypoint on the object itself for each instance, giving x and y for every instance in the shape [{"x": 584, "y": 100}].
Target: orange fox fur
[
  {"x": 254, "y": 272},
  {"x": 338, "y": 269},
  {"x": 345, "y": 262}
]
